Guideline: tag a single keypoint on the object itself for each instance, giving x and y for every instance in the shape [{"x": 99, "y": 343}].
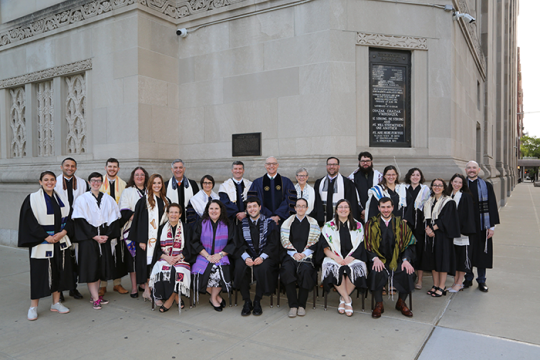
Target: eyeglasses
[
  {"x": 96, "y": 181},
  {"x": 207, "y": 183},
  {"x": 301, "y": 176},
  {"x": 301, "y": 206},
  {"x": 437, "y": 185},
  {"x": 332, "y": 164}
]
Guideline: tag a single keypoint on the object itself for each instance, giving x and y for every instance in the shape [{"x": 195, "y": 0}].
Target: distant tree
[{"x": 530, "y": 146}]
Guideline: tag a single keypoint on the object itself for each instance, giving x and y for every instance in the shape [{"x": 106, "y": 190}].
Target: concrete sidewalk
[{"x": 500, "y": 324}]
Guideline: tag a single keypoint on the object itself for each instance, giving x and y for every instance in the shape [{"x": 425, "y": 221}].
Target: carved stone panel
[
  {"x": 75, "y": 114},
  {"x": 18, "y": 122},
  {"x": 45, "y": 126}
]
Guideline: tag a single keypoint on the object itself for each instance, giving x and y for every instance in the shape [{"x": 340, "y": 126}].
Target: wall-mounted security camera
[
  {"x": 467, "y": 17},
  {"x": 181, "y": 32}
]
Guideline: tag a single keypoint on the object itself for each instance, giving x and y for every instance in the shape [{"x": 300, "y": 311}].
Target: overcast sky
[{"x": 528, "y": 30}]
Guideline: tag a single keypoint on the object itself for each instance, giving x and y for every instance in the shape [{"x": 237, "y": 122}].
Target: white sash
[
  {"x": 229, "y": 188},
  {"x": 153, "y": 225},
  {"x": 173, "y": 193},
  {"x": 338, "y": 195},
  {"x": 463, "y": 240},
  {"x": 200, "y": 200},
  {"x": 308, "y": 194}
]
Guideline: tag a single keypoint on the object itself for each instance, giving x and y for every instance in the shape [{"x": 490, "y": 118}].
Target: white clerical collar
[
  {"x": 271, "y": 177},
  {"x": 471, "y": 180},
  {"x": 69, "y": 179},
  {"x": 238, "y": 182},
  {"x": 330, "y": 177},
  {"x": 301, "y": 218}
]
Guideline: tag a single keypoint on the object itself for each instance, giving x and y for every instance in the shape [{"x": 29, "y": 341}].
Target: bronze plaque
[
  {"x": 246, "y": 144},
  {"x": 390, "y": 98}
]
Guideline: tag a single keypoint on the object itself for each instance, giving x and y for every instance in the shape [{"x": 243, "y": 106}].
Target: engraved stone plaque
[
  {"x": 246, "y": 144},
  {"x": 390, "y": 98}
]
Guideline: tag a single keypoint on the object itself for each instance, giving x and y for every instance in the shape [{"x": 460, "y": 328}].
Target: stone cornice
[
  {"x": 47, "y": 73},
  {"x": 66, "y": 17},
  {"x": 390, "y": 41},
  {"x": 471, "y": 36}
]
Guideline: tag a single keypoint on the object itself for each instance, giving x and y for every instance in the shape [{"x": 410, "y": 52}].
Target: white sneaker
[
  {"x": 59, "y": 308},
  {"x": 32, "y": 313}
]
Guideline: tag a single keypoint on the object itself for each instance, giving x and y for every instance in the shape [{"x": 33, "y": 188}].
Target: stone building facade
[{"x": 94, "y": 79}]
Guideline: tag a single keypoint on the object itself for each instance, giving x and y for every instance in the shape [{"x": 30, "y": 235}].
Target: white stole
[
  {"x": 463, "y": 239},
  {"x": 308, "y": 194},
  {"x": 153, "y": 225},
  {"x": 229, "y": 188},
  {"x": 173, "y": 193},
  {"x": 338, "y": 195},
  {"x": 200, "y": 200},
  {"x": 81, "y": 187}
]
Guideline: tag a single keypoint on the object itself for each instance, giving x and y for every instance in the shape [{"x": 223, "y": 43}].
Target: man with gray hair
[
  {"x": 233, "y": 193},
  {"x": 486, "y": 215},
  {"x": 276, "y": 193},
  {"x": 179, "y": 188}
]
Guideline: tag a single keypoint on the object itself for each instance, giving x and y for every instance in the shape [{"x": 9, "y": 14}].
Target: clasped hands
[
  {"x": 346, "y": 261},
  {"x": 173, "y": 260},
  {"x": 258, "y": 261},
  {"x": 53, "y": 239}
]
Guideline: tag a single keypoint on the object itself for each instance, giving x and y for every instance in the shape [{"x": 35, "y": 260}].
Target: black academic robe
[
  {"x": 406, "y": 212},
  {"x": 197, "y": 247},
  {"x": 363, "y": 184},
  {"x": 31, "y": 233},
  {"x": 467, "y": 224},
  {"x": 96, "y": 261},
  {"x": 164, "y": 289},
  {"x": 439, "y": 253},
  {"x": 265, "y": 273},
  {"x": 416, "y": 223},
  {"x": 180, "y": 190},
  {"x": 139, "y": 234},
  {"x": 319, "y": 212},
  {"x": 304, "y": 273},
  {"x": 403, "y": 282},
  {"x": 481, "y": 258}
]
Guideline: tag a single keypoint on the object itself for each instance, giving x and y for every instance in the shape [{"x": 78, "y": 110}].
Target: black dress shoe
[
  {"x": 134, "y": 296},
  {"x": 217, "y": 308},
  {"x": 246, "y": 310},
  {"x": 75, "y": 294},
  {"x": 141, "y": 289},
  {"x": 62, "y": 299},
  {"x": 257, "y": 309},
  {"x": 467, "y": 284},
  {"x": 483, "y": 287},
  {"x": 223, "y": 303}
]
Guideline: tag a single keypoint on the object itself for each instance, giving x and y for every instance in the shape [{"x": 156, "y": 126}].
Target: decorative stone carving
[
  {"x": 67, "y": 17},
  {"x": 75, "y": 117},
  {"x": 61, "y": 70},
  {"x": 18, "y": 122},
  {"x": 45, "y": 126},
  {"x": 389, "y": 41},
  {"x": 472, "y": 35}
]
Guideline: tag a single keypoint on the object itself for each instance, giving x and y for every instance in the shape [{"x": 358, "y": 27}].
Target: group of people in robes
[{"x": 365, "y": 231}]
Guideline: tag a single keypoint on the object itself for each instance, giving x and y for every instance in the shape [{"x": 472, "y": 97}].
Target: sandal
[
  {"x": 182, "y": 304},
  {"x": 433, "y": 289},
  {"x": 418, "y": 285},
  {"x": 341, "y": 309},
  {"x": 96, "y": 305},
  {"x": 435, "y": 294},
  {"x": 163, "y": 309},
  {"x": 349, "y": 312}
]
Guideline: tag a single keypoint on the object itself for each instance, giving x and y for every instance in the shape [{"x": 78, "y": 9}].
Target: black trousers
[
  {"x": 379, "y": 297},
  {"x": 296, "y": 300},
  {"x": 244, "y": 287}
]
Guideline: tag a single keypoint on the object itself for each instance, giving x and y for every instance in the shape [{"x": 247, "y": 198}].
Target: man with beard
[
  {"x": 71, "y": 187},
  {"x": 256, "y": 256},
  {"x": 180, "y": 189},
  {"x": 487, "y": 216},
  {"x": 365, "y": 178},
  {"x": 113, "y": 186},
  {"x": 330, "y": 189}
]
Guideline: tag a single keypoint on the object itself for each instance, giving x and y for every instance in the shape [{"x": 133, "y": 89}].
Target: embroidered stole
[
  {"x": 313, "y": 237},
  {"x": 483, "y": 204},
  {"x": 44, "y": 213},
  {"x": 264, "y": 222},
  {"x": 119, "y": 186},
  {"x": 207, "y": 238}
]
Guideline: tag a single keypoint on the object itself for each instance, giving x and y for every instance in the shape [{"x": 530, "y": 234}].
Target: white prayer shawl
[
  {"x": 45, "y": 250},
  {"x": 85, "y": 207},
  {"x": 172, "y": 194},
  {"x": 128, "y": 200},
  {"x": 308, "y": 193},
  {"x": 153, "y": 225},
  {"x": 229, "y": 188},
  {"x": 463, "y": 239},
  {"x": 422, "y": 197},
  {"x": 433, "y": 214},
  {"x": 378, "y": 192},
  {"x": 331, "y": 234},
  {"x": 377, "y": 176},
  {"x": 81, "y": 187},
  {"x": 339, "y": 191},
  {"x": 200, "y": 200},
  {"x": 182, "y": 284}
]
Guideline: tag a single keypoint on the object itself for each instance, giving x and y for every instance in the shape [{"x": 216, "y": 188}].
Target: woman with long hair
[
  {"x": 419, "y": 194},
  {"x": 389, "y": 187},
  {"x": 150, "y": 213},
  {"x": 442, "y": 226},
  {"x": 44, "y": 226},
  {"x": 344, "y": 265},
  {"x": 459, "y": 191},
  {"x": 213, "y": 242},
  {"x": 135, "y": 190}
]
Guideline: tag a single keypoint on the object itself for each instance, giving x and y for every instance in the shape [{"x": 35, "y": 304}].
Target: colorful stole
[
  {"x": 264, "y": 222},
  {"x": 172, "y": 246},
  {"x": 207, "y": 238},
  {"x": 402, "y": 234},
  {"x": 378, "y": 192},
  {"x": 43, "y": 210},
  {"x": 119, "y": 186},
  {"x": 483, "y": 205},
  {"x": 313, "y": 238}
]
